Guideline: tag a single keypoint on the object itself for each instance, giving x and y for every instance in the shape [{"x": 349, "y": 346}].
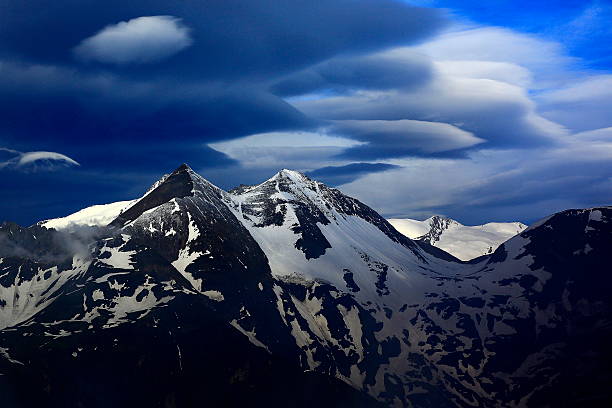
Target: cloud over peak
[
  {"x": 136, "y": 41},
  {"x": 33, "y": 161}
]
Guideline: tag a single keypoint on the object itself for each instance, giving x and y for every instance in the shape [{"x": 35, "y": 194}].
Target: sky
[{"x": 481, "y": 111}]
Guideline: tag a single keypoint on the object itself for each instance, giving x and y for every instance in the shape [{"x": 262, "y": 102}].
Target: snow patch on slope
[
  {"x": 186, "y": 256},
  {"x": 94, "y": 216}
]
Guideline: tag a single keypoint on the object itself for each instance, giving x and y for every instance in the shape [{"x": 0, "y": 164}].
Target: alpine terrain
[
  {"x": 289, "y": 293},
  {"x": 464, "y": 242}
]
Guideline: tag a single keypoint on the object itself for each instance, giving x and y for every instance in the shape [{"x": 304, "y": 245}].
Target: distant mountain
[
  {"x": 289, "y": 293},
  {"x": 462, "y": 241}
]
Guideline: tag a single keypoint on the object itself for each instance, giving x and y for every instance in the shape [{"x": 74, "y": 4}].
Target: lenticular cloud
[
  {"x": 139, "y": 40},
  {"x": 28, "y": 161}
]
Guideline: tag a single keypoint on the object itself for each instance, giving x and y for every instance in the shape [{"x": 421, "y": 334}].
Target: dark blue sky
[{"x": 488, "y": 111}]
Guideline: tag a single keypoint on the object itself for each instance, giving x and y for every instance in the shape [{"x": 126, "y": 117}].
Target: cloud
[
  {"x": 34, "y": 161},
  {"x": 589, "y": 32},
  {"x": 48, "y": 99},
  {"x": 603, "y": 134},
  {"x": 507, "y": 72},
  {"x": 136, "y": 41},
  {"x": 500, "y": 113},
  {"x": 336, "y": 175},
  {"x": 65, "y": 108},
  {"x": 496, "y": 44},
  {"x": 507, "y": 88},
  {"x": 581, "y": 106},
  {"x": 400, "y": 138},
  {"x": 305, "y": 85},
  {"x": 64, "y": 245},
  {"x": 48, "y": 157},
  {"x": 461, "y": 79},
  {"x": 265, "y": 153},
  {"x": 343, "y": 74},
  {"x": 592, "y": 20},
  {"x": 494, "y": 185},
  {"x": 232, "y": 39},
  {"x": 159, "y": 88}
]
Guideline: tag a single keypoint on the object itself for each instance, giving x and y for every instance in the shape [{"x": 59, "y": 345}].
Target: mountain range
[
  {"x": 464, "y": 242},
  {"x": 290, "y": 293}
]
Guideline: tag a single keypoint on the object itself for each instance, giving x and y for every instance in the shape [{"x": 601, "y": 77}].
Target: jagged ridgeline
[{"x": 289, "y": 293}]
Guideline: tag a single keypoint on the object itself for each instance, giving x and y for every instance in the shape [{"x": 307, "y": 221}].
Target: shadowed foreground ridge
[{"x": 289, "y": 293}]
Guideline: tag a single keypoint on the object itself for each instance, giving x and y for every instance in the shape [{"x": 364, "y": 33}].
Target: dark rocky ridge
[{"x": 178, "y": 184}]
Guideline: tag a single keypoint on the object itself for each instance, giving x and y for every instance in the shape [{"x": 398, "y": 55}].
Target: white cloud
[
  {"x": 295, "y": 150},
  {"x": 33, "y": 157},
  {"x": 139, "y": 40},
  {"x": 481, "y": 82},
  {"x": 498, "y": 112},
  {"x": 564, "y": 92},
  {"x": 28, "y": 161},
  {"x": 285, "y": 139},
  {"x": 498, "y": 84},
  {"x": 581, "y": 105},
  {"x": 592, "y": 88},
  {"x": 603, "y": 134},
  {"x": 493, "y": 184},
  {"x": 516, "y": 91},
  {"x": 397, "y": 138},
  {"x": 495, "y": 44},
  {"x": 508, "y": 72}
]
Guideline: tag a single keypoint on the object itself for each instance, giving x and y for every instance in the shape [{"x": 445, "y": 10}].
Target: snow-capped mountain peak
[
  {"x": 437, "y": 226},
  {"x": 462, "y": 241},
  {"x": 293, "y": 175},
  {"x": 182, "y": 182},
  {"x": 293, "y": 269}
]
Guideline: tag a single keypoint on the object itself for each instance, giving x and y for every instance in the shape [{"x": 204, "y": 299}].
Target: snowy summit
[{"x": 463, "y": 241}]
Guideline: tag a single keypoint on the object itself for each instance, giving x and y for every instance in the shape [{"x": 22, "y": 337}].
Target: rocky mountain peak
[
  {"x": 293, "y": 175},
  {"x": 442, "y": 220},
  {"x": 291, "y": 181},
  {"x": 293, "y": 271},
  {"x": 182, "y": 182},
  {"x": 438, "y": 224}
]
